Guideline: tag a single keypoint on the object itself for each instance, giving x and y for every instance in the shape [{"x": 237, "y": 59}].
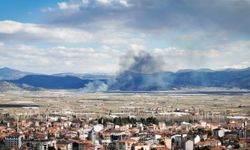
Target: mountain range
[
  {"x": 229, "y": 78},
  {"x": 11, "y": 77},
  {"x": 129, "y": 81}
]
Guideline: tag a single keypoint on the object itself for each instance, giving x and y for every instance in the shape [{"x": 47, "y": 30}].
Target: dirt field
[{"x": 124, "y": 104}]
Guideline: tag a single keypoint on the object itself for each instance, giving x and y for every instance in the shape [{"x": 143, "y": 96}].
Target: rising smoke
[
  {"x": 141, "y": 62},
  {"x": 96, "y": 86},
  {"x": 141, "y": 71}
]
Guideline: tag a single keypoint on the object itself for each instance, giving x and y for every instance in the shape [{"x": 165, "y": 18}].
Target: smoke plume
[
  {"x": 96, "y": 86},
  {"x": 141, "y": 62},
  {"x": 141, "y": 71}
]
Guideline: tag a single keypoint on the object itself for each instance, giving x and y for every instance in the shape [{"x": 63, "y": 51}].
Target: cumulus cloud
[
  {"x": 188, "y": 24},
  {"x": 230, "y": 16},
  {"x": 10, "y": 30},
  {"x": 17, "y": 32},
  {"x": 59, "y": 59},
  {"x": 241, "y": 65},
  {"x": 233, "y": 55},
  {"x": 66, "y": 6},
  {"x": 112, "y": 2},
  {"x": 106, "y": 59},
  {"x": 95, "y": 33}
]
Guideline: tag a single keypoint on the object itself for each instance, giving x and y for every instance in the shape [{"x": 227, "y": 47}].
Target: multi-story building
[{"x": 14, "y": 140}]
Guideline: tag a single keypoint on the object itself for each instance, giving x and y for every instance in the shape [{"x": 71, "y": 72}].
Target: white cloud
[
  {"x": 137, "y": 47},
  {"x": 217, "y": 58},
  {"x": 241, "y": 65},
  {"x": 106, "y": 59},
  {"x": 9, "y": 27},
  {"x": 124, "y": 2},
  {"x": 104, "y": 1},
  {"x": 117, "y": 39},
  {"x": 60, "y": 59},
  {"x": 67, "y": 6},
  {"x": 110, "y": 2},
  {"x": 27, "y": 31},
  {"x": 37, "y": 33}
]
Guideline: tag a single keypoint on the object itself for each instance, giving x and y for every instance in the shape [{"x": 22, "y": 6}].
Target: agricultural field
[{"x": 160, "y": 104}]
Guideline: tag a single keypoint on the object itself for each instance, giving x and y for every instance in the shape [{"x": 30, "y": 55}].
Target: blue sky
[
  {"x": 91, "y": 36},
  {"x": 25, "y": 10}
]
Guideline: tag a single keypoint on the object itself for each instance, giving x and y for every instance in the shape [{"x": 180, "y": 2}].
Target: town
[{"x": 137, "y": 126}]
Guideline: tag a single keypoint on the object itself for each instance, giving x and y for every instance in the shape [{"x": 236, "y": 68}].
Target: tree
[
  {"x": 150, "y": 120},
  {"x": 51, "y": 148}
]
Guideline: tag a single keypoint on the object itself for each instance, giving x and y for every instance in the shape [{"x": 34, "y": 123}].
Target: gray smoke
[
  {"x": 143, "y": 62},
  {"x": 145, "y": 72},
  {"x": 95, "y": 86},
  {"x": 141, "y": 71}
]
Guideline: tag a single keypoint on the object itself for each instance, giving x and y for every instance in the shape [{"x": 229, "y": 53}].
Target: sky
[{"x": 92, "y": 36}]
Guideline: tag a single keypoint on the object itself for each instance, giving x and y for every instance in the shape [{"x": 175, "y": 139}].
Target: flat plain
[{"x": 142, "y": 104}]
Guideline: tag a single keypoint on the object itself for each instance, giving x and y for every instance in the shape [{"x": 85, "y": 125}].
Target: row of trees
[{"x": 126, "y": 120}]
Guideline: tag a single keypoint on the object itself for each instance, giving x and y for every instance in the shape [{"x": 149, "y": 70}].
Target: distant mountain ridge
[
  {"x": 130, "y": 81},
  {"x": 86, "y": 76},
  {"x": 52, "y": 82},
  {"x": 11, "y": 74},
  {"x": 26, "y": 80}
]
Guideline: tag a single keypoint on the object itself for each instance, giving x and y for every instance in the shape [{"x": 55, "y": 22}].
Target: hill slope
[
  {"x": 5, "y": 86},
  {"x": 52, "y": 82},
  {"x": 11, "y": 74},
  {"x": 131, "y": 81}
]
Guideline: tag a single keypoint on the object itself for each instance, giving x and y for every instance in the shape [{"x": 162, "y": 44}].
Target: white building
[
  {"x": 42, "y": 144},
  {"x": 176, "y": 141},
  {"x": 218, "y": 133},
  {"x": 167, "y": 142},
  {"x": 125, "y": 144},
  {"x": 140, "y": 146},
  {"x": 189, "y": 145},
  {"x": 162, "y": 125},
  {"x": 197, "y": 139},
  {"x": 14, "y": 140}
]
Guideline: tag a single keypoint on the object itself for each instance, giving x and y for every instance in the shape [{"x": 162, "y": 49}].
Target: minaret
[
  {"x": 46, "y": 118},
  {"x": 93, "y": 136},
  {"x": 17, "y": 123}
]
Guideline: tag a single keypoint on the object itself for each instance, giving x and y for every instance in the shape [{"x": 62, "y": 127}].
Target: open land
[{"x": 157, "y": 104}]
